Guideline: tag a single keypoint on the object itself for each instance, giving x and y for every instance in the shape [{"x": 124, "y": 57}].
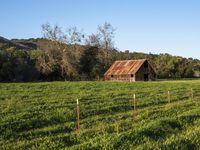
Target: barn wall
[
  {"x": 127, "y": 78},
  {"x": 148, "y": 70},
  {"x": 140, "y": 75}
]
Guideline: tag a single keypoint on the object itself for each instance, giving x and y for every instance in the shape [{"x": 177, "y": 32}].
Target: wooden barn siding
[
  {"x": 121, "y": 78},
  {"x": 139, "y": 76},
  {"x": 149, "y": 70}
]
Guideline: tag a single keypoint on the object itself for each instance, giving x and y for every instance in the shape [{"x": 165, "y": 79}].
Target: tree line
[{"x": 71, "y": 55}]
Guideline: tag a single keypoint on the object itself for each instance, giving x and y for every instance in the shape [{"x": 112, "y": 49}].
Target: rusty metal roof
[{"x": 124, "y": 67}]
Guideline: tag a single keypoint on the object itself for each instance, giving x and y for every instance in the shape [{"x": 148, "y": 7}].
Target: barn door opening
[{"x": 146, "y": 77}]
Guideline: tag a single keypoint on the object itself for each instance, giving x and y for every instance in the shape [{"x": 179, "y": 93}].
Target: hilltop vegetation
[
  {"x": 43, "y": 115},
  {"x": 71, "y": 55}
]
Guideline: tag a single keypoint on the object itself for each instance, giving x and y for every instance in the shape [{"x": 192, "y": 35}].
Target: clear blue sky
[{"x": 156, "y": 26}]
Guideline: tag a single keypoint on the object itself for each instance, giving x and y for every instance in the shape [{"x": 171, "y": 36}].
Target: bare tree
[
  {"x": 74, "y": 36},
  {"x": 93, "y": 40},
  {"x": 106, "y": 33},
  {"x": 54, "y": 33},
  {"x": 103, "y": 38}
]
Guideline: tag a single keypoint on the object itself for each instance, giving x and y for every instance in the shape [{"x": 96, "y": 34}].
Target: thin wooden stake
[
  {"x": 134, "y": 107},
  {"x": 78, "y": 116},
  {"x": 168, "y": 93}
]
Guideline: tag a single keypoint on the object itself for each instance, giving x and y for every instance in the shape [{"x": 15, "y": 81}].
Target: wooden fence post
[
  {"x": 78, "y": 116},
  {"x": 168, "y": 95},
  {"x": 134, "y": 107}
]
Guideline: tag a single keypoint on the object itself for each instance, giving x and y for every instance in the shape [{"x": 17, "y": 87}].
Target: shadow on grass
[
  {"x": 181, "y": 144},
  {"x": 157, "y": 131},
  {"x": 21, "y": 128}
]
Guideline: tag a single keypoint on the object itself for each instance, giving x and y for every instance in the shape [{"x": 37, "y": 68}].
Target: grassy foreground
[{"x": 43, "y": 115}]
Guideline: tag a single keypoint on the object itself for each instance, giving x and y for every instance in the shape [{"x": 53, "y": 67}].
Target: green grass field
[{"x": 43, "y": 115}]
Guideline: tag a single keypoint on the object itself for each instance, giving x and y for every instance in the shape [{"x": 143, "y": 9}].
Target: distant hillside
[
  {"x": 5, "y": 43},
  {"x": 27, "y": 43},
  {"x": 43, "y": 59}
]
